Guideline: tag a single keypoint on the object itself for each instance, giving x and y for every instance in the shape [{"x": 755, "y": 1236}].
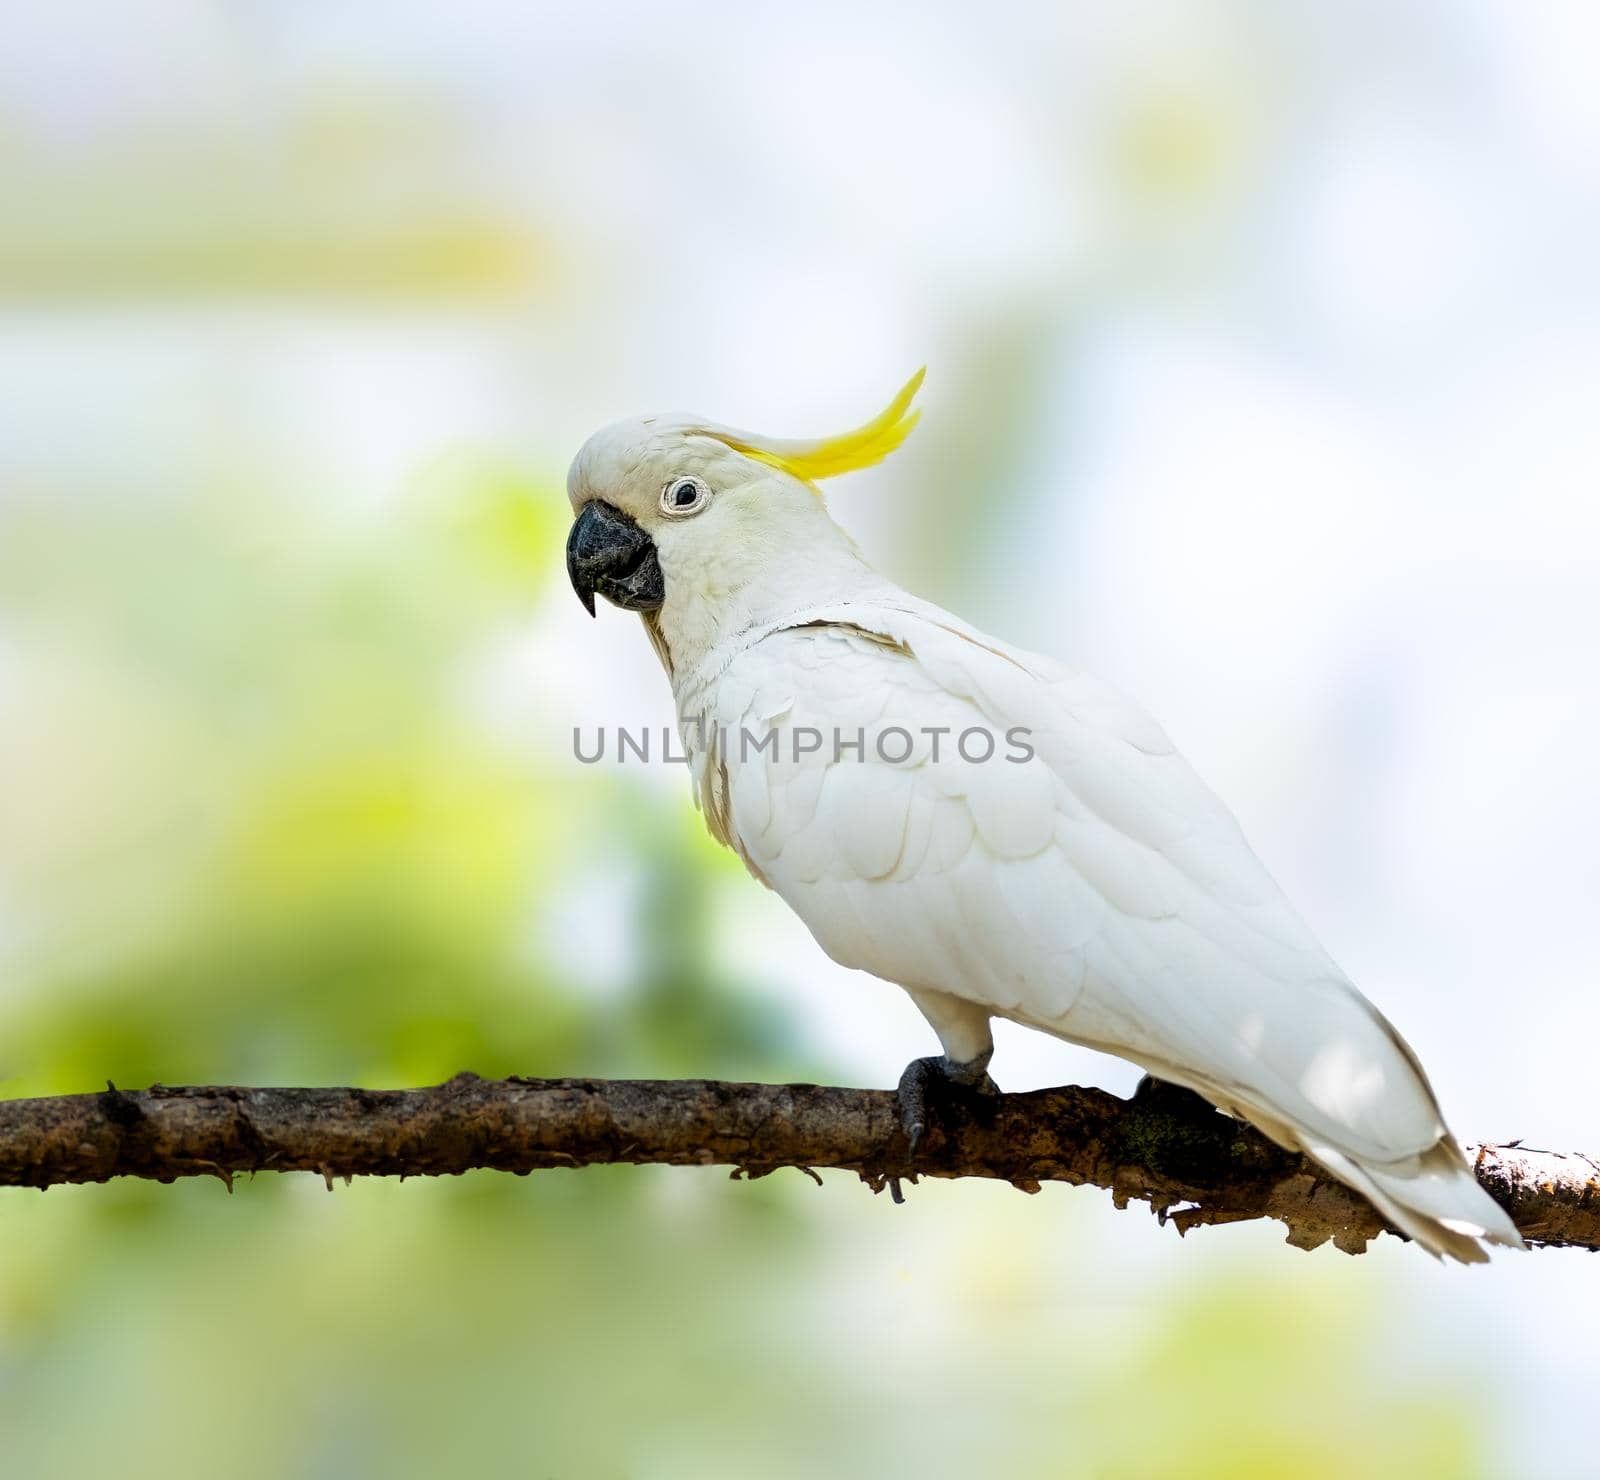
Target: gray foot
[
  {"x": 1151, "y": 1089},
  {"x": 928, "y": 1083}
]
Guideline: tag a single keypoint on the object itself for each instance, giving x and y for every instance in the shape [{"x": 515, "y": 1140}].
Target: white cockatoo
[{"x": 997, "y": 834}]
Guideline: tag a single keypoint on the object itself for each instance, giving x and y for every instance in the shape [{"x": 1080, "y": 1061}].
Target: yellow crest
[{"x": 827, "y": 457}]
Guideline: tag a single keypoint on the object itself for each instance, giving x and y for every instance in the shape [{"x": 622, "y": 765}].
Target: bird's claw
[
  {"x": 912, "y": 1094},
  {"x": 934, "y": 1080},
  {"x": 1151, "y": 1090}
]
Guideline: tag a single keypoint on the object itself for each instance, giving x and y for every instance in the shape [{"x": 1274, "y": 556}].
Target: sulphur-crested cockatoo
[{"x": 1000, "y": 836}]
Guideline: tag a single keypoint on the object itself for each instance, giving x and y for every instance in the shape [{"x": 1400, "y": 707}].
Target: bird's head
[{"x": 706, "y": 530}]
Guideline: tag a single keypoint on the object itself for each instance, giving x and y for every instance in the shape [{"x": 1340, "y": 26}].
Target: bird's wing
[{"x": 1099, "y": 891}]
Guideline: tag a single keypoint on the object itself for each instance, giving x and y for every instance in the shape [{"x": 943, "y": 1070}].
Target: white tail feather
[{"x": 1432, "y": 1197}]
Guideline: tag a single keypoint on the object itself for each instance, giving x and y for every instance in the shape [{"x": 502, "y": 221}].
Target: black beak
[{"x": 607, "y": 553}]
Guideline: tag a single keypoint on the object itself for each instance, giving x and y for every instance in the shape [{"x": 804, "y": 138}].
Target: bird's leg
[{"x": 926, "y": 1082}]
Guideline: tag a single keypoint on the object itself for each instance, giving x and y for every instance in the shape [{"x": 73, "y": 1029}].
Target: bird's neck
[{"x": 720, "y": 609}]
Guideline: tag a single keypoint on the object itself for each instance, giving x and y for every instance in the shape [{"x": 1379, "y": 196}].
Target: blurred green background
[{"x": 1263, "y": 369}]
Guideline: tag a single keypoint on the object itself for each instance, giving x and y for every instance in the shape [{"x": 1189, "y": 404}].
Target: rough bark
[{"x": 1164, "y": 1147}]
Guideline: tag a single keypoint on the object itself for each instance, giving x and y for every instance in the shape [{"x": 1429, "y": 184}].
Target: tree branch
[{"x": 1165, "y": 1146}]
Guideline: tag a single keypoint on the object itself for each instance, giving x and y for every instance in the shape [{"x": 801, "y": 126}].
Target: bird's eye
[{"x": 684, "y": 496}]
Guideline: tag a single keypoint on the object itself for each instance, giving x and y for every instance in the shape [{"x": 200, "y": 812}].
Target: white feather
[{"x": 1099, "y": 892}]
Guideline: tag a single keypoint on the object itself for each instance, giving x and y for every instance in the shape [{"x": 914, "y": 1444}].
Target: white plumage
[{"x": 1097, "y": 891}]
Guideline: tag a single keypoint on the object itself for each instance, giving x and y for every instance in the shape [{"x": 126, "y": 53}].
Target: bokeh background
[{"x": 1264, "y": 347}]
